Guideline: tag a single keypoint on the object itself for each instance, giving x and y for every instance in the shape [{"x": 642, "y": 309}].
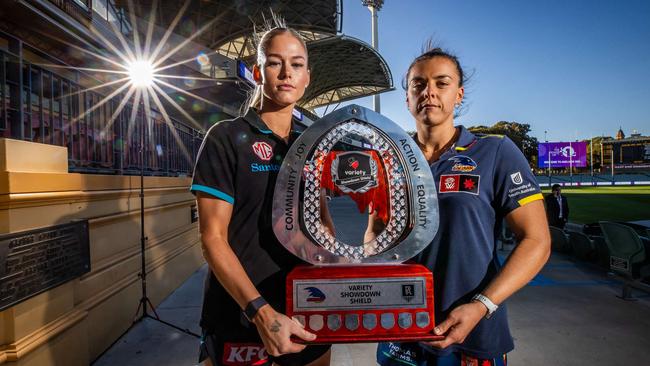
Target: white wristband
[{"x": 491, "y": 307}]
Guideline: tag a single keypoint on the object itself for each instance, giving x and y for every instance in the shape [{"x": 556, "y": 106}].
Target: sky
[{"x": 575, "y": 68}]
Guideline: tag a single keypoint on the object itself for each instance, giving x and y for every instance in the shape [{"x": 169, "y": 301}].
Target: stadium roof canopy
[
  {"x": 230, "y": 24},
  {"x": 343, "y": 68}
]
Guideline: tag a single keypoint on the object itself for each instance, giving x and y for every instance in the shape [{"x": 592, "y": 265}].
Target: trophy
[{"x": 355, "y": 198}]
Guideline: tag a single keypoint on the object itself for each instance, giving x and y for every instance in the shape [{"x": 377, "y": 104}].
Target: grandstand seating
[
  {"x": 559, "y": 240},
  {"x": 627, "y": 254},
  {"x": 597, "y": 179},
  {"x": 582, "y": 246},
  {"x": 602, "y": 251}
]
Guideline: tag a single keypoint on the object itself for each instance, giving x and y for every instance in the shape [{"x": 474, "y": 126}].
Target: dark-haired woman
[
  {"x": 243, "y": 317},
  {"x": 480, "y": 181}
]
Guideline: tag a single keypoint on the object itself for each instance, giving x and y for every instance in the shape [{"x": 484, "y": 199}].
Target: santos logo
[{"x": 255, "y": 167}]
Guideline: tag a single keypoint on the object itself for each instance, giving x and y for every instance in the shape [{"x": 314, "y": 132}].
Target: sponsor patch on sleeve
[{"x": 521, "y": 189}]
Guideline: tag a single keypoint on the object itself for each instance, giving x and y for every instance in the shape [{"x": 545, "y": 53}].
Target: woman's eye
[
  {"x": 273, "y": 63},
  {"x": 297, "y": 65}
]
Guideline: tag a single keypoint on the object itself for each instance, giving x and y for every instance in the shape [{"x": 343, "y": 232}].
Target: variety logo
[
  {"x": 354, "y": 172},
  {"x": 263, "y": 150},
  {"x": 315, "y": 295},
  {"x": 462, "y": 163},
  {"x": 516, "y": 178},
  {"x": 240, "y": 354},
  {"x": 354, "y": 163},
  {"x": 466, "y": 183}
]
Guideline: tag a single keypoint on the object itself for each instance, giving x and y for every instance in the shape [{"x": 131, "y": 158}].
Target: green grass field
[{"x": 593, "y": 204}]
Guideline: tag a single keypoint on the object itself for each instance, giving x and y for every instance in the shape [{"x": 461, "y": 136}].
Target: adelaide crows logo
[
  {"x": 462, "y": 163},
  {"x": 315, "y": 295}
]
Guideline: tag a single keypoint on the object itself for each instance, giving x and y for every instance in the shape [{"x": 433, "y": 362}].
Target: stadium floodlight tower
[{"x": 374, "y": 6}]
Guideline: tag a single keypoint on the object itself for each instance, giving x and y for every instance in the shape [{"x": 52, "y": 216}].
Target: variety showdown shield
[{"x": 355, "y": 198}]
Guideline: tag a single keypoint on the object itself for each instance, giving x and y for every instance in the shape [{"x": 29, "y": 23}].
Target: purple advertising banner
[{"x": 562, "y": 154}]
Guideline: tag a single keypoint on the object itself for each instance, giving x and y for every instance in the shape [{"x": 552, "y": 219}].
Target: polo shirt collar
[
  {"x": 465, "y": 140},
  {"x": 254, "y": 120}
]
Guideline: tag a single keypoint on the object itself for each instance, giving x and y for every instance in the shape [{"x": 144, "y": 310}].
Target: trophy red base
[{"x": 353, "y": 304}]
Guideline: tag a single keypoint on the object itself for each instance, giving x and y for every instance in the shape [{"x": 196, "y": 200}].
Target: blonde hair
[{"x": 272, "y": 27}]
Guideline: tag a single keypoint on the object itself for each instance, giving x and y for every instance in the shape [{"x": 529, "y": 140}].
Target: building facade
[{"x": 67, "y": 154}]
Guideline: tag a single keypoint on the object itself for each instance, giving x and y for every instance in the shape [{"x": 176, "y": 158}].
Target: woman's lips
[
  {"x": 428, "y": 106},
  {"x": 285, "y": 87}
]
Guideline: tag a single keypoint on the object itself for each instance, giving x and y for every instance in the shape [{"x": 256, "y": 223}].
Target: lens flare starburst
[{"x": 139, "y": 73}]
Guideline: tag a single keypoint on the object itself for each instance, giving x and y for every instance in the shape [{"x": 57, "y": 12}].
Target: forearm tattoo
[{"x": 275, "y": 327}]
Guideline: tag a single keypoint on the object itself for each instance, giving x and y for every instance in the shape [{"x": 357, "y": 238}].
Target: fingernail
[{"x": 437, "y": 330}]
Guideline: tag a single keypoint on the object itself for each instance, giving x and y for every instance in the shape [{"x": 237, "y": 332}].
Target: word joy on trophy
[{"x": 355, "y": 199}]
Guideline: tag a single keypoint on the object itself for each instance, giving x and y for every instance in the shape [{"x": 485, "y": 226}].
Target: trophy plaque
[{"x": 355, "y": 198}]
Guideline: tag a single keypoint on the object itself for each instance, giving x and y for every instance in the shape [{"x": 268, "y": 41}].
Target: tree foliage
[{"x": 518, "y": 133}]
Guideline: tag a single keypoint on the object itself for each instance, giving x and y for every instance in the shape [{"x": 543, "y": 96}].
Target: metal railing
[
  {"x": 41, "y": 106},
  {"x": 81, "y": 10},
  {"x": 107, "y": 10}
]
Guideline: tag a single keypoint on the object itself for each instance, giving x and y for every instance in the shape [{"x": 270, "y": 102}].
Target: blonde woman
[{"x": 243, "y": 317}]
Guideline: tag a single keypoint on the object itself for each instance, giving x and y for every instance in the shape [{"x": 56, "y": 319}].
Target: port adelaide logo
[
  {"x": 354, "y": 172},
  {"x": 408, "y": 292},
  {"x": 263, "y": 150}
]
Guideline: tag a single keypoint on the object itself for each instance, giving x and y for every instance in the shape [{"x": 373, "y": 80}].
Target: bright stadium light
[{"x": 141, "y": 73}]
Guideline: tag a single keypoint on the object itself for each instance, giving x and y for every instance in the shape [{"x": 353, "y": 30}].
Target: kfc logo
[
  {"x": 240, "y": 354},
  {"x": 263, "y": 150}
]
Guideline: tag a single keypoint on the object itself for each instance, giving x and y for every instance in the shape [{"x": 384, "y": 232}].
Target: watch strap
[
  {"x": 491, "y": 307},
  {"x": 253, "y": 307}
]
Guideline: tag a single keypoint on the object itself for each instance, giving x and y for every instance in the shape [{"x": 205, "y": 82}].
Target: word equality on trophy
[{"x": 354, "y": 200}]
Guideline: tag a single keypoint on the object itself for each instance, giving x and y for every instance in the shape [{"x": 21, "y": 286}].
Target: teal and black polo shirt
[{"x": 238, "y": 163}]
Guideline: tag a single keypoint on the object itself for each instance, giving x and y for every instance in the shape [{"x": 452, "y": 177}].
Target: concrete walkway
[{"x": 568, "y": 315}]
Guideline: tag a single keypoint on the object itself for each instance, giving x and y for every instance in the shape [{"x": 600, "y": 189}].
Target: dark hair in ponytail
[{"x": 431, "y": 50}]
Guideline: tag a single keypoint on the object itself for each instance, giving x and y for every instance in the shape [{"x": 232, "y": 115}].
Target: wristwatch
[
  {"x": 253, "y": 307},
  {"x": 491, "y": 307}
]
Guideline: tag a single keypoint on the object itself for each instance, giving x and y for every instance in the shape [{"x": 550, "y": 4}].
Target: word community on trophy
[{"x": 352, "y": 199}]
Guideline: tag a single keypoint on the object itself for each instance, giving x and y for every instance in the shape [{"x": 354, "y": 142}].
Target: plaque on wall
[{"x": 37, "y": 260}]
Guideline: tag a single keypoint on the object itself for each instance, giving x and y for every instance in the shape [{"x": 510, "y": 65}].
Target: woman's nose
[
  {"x": 285, "y": 71},
  {"x": 430, "y": 90}
]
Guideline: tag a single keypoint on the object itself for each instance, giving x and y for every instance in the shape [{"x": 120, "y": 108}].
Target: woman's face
[
  {"x": 284, "y": 74},
  {"x": 433, "y": 90}
]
